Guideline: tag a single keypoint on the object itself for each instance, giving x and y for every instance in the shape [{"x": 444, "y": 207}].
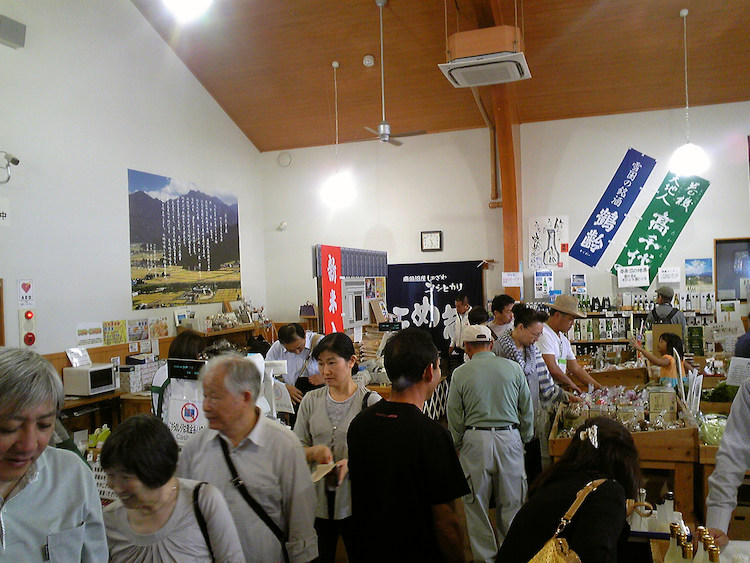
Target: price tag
[{"x": 609, "y": 314}]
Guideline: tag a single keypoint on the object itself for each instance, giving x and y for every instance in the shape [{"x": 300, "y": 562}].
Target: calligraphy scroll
[
  {"x": 610, "y": 212},
  {"x": 662, "y": 222},
  {"x": 333, "y": 300}
]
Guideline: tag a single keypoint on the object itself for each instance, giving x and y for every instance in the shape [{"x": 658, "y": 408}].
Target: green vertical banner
[{"x": 662, "y": 222}]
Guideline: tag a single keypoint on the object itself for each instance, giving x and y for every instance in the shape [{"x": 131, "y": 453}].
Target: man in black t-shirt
[{"x": 403, "y": 467}]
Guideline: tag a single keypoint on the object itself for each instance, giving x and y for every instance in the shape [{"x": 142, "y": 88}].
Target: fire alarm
[{"x": 27, "y": 327}]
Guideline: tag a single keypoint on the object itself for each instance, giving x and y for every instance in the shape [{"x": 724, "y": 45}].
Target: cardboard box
[{"x": 662, "y": 399}]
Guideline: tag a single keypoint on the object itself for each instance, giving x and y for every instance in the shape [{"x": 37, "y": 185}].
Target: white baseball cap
[{"x": 477, "y": 333}]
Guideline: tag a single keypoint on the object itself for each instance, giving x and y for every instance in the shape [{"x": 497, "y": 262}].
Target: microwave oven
[{"x": 89, "y": 380}]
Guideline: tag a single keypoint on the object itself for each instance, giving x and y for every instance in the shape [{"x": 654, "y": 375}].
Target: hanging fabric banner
[
  {"x": 661, "y": 223},
  {"x": 610, "y": 212},
  {"x": 333, "y": 302},
  {"x": 424, "y": 295}
]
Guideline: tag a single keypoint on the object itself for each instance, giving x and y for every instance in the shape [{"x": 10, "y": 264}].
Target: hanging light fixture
[
  {"x": 186, "y": 11},
  {"x": 689, "y": 159},
  {"x": 338, "y": 190}
]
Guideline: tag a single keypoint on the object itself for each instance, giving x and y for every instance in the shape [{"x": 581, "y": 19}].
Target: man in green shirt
[{"x": 490, "y": 416}]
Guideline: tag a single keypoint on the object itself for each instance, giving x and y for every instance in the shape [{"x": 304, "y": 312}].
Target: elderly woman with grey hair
[{"x": 49, "y": 506}]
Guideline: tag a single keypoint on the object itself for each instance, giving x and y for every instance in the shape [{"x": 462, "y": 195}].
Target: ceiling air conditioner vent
[{"x": 481, "y": 70}]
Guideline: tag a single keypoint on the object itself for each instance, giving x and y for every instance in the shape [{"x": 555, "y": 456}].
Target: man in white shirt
[
  {"x": 295, "y": 346},
  {"x": 267, "y": 457},
  {"x": 555, "y": 346},
  {"x": 732, "y": 461},
  {"x": 456, "y": 348}
]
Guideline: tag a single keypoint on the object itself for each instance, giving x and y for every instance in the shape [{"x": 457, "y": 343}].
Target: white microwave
[{"x": 89, "y": 380}]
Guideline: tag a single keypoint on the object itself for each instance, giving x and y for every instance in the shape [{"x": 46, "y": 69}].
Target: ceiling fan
[{"x": 383, "y": 133}]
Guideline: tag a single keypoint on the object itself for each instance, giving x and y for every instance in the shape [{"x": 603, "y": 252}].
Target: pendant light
[
  {"x": 338, "y": 190},
  {"x": 689, "y": 159}
]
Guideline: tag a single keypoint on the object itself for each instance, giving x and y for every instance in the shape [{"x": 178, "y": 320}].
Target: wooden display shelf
[
  {"x": 674, "y": 450},
  {"x": 76, "y": 402},
  {"x": 715, "y": 408},
  {"x": 253, "y": 328},
  {"x": 135, "y": 403},
  {"x": 628, "y": 377}
]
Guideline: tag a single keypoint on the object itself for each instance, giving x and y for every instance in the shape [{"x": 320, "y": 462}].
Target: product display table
[{"x": 673, "y": 450}]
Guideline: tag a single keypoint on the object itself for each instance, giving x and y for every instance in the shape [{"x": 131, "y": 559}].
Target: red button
[
  {"x": 29, "y": 338},
  {"x": 29, "y": 314}
]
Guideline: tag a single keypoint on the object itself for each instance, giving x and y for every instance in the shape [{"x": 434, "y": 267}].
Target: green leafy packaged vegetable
[
  {"x": 711, "y": 428},
  {"x": 722, "y": 393}
]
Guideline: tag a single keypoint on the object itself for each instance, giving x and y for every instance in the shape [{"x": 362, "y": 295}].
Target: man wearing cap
[
  {"x": 555, "y": 346},
  {"x": 490, "y": 416},
  {"x": 664, "y": 312}
]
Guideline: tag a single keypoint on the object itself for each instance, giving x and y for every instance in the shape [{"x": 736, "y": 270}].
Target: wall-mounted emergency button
[{"x": 27, "y": 327}]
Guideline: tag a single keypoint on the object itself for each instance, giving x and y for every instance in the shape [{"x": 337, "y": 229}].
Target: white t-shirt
[
  {"x": 556, "y": 344},
  {"x": 497, "y": 330}
]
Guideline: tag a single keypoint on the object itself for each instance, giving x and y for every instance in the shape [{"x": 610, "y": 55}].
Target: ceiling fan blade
[
  {"x": 410, "y": 134},
  {"x": 395, "y": 142},
  {"x": 372, "y": 131}
]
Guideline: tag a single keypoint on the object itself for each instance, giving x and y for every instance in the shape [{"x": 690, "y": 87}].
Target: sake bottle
[
  {"x": 589, "y": 330},
  {"x": 687, "y": 551},
  {"x": 713, "y": 554},
  {"x": 673, "y": 553},
  {"x": 704, "y": 541}
]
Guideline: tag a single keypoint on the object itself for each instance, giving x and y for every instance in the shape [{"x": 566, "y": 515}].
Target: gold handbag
[{"x": 556, "y": 550}]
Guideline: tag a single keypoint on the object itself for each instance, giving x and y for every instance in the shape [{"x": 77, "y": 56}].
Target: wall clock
[{"x": 432, "y": 241}]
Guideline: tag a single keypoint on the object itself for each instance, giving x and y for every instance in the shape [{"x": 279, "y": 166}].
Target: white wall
[
  {"x": 567, "y": 165},
  {"x": 94, "y": 92},
  {"x": 431, "y": 182}
]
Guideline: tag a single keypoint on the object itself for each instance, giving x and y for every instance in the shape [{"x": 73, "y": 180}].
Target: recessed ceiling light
[{"x": 368, "y": 60}]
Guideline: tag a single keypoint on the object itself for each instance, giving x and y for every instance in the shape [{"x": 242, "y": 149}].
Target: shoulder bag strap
[
  {"x": 239, "y": 484},
  {"x": 365, "y": 399},
  {"x": 580, "y": 497},
  {"x": 671, "y": 315},
  {"x": 201, "y": 520}
]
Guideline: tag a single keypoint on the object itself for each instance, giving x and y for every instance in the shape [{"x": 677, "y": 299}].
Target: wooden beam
[{"x": 507, "y": 125}]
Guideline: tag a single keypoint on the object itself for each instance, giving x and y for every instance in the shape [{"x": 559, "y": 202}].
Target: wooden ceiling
[{"x": 268, "y": 62}]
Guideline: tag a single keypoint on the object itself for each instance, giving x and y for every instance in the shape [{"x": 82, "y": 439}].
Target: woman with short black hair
[
  {"x": 322, "y": 426},
  {"x": 158, "y": 516},
  {"x": 601, "y": 448}
]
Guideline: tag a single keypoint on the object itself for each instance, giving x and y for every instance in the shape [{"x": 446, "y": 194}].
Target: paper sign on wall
[
  {"x": 89, "y": 334},
  {"x": 632, "y": 276},
  {"x": 543, "y": 283},
  {"x": 25, "y": 293},
  {"x": 669, "y": 275},
  {"x": 4, "y": 212},
  {"x": 512, "y": 279},
  {"x": 578, "y": 284},
  {"x": 549, "y": 246}
]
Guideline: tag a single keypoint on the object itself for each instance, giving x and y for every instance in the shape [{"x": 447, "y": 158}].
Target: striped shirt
[{"x": 544, "y": 391}]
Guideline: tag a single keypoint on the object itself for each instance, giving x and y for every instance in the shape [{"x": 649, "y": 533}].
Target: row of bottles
[
  {"x": 680, "y": 549},
  {"x": 700, "y": 302},
  {"x": 610, "y": 328}
]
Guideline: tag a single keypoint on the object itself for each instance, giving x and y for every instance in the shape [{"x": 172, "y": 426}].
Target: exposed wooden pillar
[
  {"x": 507, "y": 140},
  {"x": 507, "y": 125}
]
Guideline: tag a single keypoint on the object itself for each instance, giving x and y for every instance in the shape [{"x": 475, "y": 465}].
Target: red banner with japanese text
[{"x": 333, "y": 300}]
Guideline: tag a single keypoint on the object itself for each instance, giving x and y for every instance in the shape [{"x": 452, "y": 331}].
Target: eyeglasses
[{"x": 536, "y": 334}]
